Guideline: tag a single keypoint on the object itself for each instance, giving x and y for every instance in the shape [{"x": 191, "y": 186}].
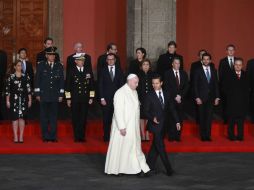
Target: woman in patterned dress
[{"x": 18, "y": 100}]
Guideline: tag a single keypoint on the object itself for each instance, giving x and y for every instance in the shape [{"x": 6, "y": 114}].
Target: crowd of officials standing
[{"x": 230, "y": 86}]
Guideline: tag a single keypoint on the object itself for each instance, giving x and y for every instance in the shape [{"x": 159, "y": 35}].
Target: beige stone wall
[
  {"x": 151, "y": 24},
  {"x": 55, "y": 24}
]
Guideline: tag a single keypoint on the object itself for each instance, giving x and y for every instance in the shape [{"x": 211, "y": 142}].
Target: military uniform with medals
[{"x": 79, "y": 92}]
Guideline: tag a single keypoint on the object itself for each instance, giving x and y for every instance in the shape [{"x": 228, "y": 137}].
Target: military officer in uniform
[
  {"x": 49, "y": 90},
  {"x": 79, "y": 93}
]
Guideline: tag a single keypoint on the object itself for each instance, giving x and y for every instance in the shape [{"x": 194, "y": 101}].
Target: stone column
[
  {"x": 55, "y": 24},
  {"x": 151, "y": 24}
]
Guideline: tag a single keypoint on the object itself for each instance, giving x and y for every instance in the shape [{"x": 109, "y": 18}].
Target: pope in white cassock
[{"x": 124, "y": 154}]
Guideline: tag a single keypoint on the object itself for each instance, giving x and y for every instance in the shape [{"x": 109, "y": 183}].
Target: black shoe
[
  {"x": 203, "y": 139},
  {"x": 170, "y": 173},
  {"x": 239, "y": 138},
  {"x": 209, "y": 139},
  {"x": 232, "y": 138},
  {"x": 178, "y": 139},
  {"x": 54, "y": 140},
  {"x": 142, "y": 174},
  {"x": 45, "y": 140}
]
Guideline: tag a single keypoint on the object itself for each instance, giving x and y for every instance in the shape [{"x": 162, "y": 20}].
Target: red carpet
[{"x": 190, "y": 140}]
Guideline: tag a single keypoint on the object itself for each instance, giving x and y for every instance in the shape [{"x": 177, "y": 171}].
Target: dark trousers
[
  {"x": 232, "y": 121},
  {"x": 107, "y": 119},
  {"x": 2, "y": 106},
  {"x": 252, "y": 106},
  {"x": 205, "y": 112},
  {"x": 158, "y": 149},
  {"x": 224, "y": 107},
  {"x": 48, "y": 120},
  {"x": 79, "y": 112},
  {"x": 173, "y": 133}
]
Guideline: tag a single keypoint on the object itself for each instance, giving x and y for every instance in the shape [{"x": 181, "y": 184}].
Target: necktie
[
  {"x": 238, "y": 75},
  {"x": 231, "y": 63},
  {"x": 208, "y": 75},
  {"x": 161, "y": 99},
  {"x": 111, "y": 73},
  {"x": 177, "y": 79},
  {"x": 80, "y": 70},
  {"x": 23, "y": 67}
]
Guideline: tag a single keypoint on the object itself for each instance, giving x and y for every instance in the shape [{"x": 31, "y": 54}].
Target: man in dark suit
[
  {"x": 27, "y": 67},
  {"x": 193, "y": 68},
  {"x": 41, "y": 56},
  {"x": 226, "y": 67},
  {"x": 111, "y": 79},
  {"x": 176, "y": 82},
  {"x": 206, "y": 94},
  {"x": 49, "y": 90},
  {"x": 78, "y": 47},
  {"x": 165, "y": 60},
  {"x": 250, "y": 73},
  {"x": 3, "y": 69},
  {"x": 79, "y": 92},
  {"x": 157, "y": 104},
  {"x": 196, "y": 64},
  {"x": 237, "y": 91},
  {"x": 102, "y": 60}
]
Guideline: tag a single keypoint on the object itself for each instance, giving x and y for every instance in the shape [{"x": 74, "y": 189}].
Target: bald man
[{"x": 79, "y": 51}]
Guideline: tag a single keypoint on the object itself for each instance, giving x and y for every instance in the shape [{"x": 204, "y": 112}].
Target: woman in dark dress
[
  {"x": 135, "y": 65},
  {"x": 144, "y": 86},
  {"x": 18, "y": 100}
]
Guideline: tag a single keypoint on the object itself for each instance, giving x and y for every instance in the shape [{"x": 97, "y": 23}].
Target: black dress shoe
[
  {"x": 232, "y": 138},
  {"x": 209, "y": 139},
  {"x": 54, "y": 140},
  {"x": 170, "y": 173},
  {"x": 142, "y": 174},
  {"x": 239, "y": 138},
  {"x": 45, "y": 140},
  {"x": 203, "y": 139}
]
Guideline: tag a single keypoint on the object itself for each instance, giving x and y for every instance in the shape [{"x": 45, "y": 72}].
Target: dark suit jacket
[
  {"x": 165, "y": 62},
  {"x": 153, "y": 109},
  {"x": 71, "y": 63},
  {"x": 237, "y": 91},
  {"x": 3, "y": 68},
  {"x": 250, "y": 73},
  {"x": 170, "y": 83},
  {"x": 107, "y": 87},
  {"x": 41, "y": 56},
  {"x": 224, "y": 71},
  {"x": 101, "y": 63},
  {"x": 194, "y": 66},
  {"x": 134, "y": 67},
  {"x": 202, "y": 89},
  {"x": 30, "y": 72}
]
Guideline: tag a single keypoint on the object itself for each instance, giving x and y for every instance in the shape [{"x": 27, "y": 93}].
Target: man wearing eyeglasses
[{"x": 111, "y": 79}]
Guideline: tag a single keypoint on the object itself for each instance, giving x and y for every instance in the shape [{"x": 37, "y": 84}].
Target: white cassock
[{"x": 124, "y": 152}]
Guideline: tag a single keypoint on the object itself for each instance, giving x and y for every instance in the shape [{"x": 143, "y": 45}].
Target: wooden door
[{"x": 23, "y": 23}]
